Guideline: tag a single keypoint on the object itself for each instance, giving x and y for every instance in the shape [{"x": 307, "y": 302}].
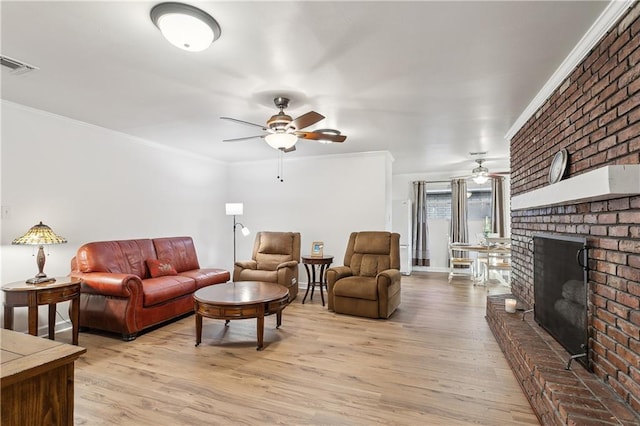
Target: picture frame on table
[{"x": 317, "y": 247}]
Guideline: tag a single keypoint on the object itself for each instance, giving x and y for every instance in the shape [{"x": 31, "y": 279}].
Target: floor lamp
[{"x": 235, "y": 209}]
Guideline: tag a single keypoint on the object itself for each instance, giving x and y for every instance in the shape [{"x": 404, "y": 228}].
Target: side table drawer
[{"x": 56, "y": 295}]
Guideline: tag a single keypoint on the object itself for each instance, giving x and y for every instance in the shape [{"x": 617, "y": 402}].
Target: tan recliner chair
[
  {"x": 275, "y": 259},
  {"x": 368, "y": 285}
]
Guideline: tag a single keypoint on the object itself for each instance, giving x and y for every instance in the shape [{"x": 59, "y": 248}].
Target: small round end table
[
  {"x": 20, "y": 294},
  {"x": 322, "y": 262}
]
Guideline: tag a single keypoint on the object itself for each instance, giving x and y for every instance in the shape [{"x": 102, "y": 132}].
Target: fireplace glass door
[{"x": 560, "y": 290}]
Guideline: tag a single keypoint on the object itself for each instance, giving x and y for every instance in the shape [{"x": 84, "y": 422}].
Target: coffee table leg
[
  {"x": 198, "y": 328},
  {"x": 279, "y": 318},
  {"x": 260, "y": 327}
]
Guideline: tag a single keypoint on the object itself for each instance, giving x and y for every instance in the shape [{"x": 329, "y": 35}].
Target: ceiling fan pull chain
[
  {"x": 281, "y": 154},
  {"x": 280, "y": 175}
]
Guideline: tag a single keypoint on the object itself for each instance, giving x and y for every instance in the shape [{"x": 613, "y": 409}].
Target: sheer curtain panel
[{"x": 420, "y": 233}]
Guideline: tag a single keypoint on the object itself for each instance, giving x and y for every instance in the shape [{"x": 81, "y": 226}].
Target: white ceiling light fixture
[
  {"x": 480, "y": 174},
  {"x": 185, "y": 26},
  {"x": 281, "y": 140}
]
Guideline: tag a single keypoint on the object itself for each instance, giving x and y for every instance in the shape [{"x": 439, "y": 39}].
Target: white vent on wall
[{"x": 17, "y": 67}]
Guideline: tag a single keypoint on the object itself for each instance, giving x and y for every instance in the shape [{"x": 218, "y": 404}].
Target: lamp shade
[
  {"x": 185, "y": 26},
  {"x": 245, "y": 231},
  {"x": 281, "y": 140},
  {"x": 39, "y": 234},
  {"x": 234, "y": 209}
]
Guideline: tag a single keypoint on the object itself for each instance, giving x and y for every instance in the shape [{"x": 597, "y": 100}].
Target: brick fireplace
[{"x": 595, "y": 115}]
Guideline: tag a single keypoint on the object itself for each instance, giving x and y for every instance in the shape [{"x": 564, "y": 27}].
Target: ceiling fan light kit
[
  {"x": 480, "y": 174},
  {"x": 281, "y": 140},
  {"x": 185, "y": 26}
]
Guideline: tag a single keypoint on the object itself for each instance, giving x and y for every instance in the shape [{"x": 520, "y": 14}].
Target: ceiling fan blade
[
  {"x": 319, "y": 136},
  {"x": 306, "y": 120},
  {"x": 244, "y": 122},
  {"x": 244, "y": 138}
]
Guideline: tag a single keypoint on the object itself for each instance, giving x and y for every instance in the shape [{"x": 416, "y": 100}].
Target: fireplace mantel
[{"x": 604, "y": 183}]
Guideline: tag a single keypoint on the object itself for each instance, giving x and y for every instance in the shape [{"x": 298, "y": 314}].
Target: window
[{"x": 478, "y": 204}]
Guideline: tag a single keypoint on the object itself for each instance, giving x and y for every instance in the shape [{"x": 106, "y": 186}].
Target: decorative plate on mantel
[{"x": 558, "y": 166}]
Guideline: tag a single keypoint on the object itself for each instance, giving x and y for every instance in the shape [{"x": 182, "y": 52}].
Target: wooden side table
[
  {"x": 323, "y": 263},
  {"x": 21, "y": 294}
]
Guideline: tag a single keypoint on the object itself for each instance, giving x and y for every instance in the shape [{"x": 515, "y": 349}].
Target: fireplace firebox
[{"x": 560, "y": 291}]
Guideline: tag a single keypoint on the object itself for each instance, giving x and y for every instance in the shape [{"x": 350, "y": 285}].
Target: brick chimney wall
[{"x": 595, "y": 115}]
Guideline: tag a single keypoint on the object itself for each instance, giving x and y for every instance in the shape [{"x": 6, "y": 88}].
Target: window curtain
[
  {"x": 498, "y": 219},
  {"x": 420, "y": 231},
  {"x": 459, "y": 227}
]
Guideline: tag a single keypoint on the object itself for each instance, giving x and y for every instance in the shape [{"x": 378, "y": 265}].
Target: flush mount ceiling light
[{"x": 185, "y": 26}]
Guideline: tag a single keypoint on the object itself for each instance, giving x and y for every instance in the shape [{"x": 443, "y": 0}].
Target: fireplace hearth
[{"x": 558, "y": 396}]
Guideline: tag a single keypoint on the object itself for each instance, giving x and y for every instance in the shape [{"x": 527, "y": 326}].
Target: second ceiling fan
[{"x": 282, "y": 132}]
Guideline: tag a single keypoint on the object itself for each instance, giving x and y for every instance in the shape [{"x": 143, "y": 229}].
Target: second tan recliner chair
[
  {"x": 368, "y": 285},
  {"x": 275, "y": 259}
]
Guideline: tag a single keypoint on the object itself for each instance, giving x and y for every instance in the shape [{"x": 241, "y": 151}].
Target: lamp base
[{"x": 40, "y": 280}]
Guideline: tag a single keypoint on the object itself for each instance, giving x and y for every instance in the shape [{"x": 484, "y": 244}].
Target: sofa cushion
[
  {"x": 257, "y": 275},
  {"x": 167, "y": 288},
  {"x": 357, "y": 288},
  {"x": 370, "y": 242},
  {"x": 118, "y": 257},
  {"x": 270, "y": 262},
  {"x": 160, "y": 268},
  {"x": 180, "y": 251},
  {"x": 207, "y": 276},
  {"x": 276, "y": 243},
  {"x": 369, "y": 265}
]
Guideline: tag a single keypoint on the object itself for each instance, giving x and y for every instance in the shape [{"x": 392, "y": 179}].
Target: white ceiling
[{"x": 427, "y": 81}]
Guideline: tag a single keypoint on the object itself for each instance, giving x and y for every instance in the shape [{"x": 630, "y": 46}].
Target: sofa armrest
[
  {"x": 332, "y": 275},
  {"x": 388, "y": 286},
  {"x": 388, "y": 277},
  {"x": 246, "y": 264},
  {"x": 288, "y": 264},
  {"x": 110, "y": 284}
]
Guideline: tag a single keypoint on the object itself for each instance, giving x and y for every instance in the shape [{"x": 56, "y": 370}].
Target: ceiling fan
[
  {"x": 282, "y": 132},
  {"x": 481, "y": 175}
]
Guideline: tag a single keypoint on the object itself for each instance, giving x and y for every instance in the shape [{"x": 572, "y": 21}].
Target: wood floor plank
[{"x": 433, "y": 362}]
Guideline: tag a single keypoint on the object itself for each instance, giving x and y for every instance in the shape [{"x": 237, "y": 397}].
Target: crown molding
[{"x": 605, "y": 21}]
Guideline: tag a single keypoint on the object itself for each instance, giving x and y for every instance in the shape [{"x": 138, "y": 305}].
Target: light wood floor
[{"x": 435, "y": 362}]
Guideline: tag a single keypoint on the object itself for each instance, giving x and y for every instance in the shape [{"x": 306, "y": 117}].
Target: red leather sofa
[{"x": 131, "y": 285}]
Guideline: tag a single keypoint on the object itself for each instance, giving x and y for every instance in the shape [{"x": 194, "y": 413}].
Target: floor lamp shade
[
  {"x": 39, "y": 235},
  {"x": 234, "y": 209}
]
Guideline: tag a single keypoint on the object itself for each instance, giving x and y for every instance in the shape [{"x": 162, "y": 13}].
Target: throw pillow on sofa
[{"x": 160, "y": 268}]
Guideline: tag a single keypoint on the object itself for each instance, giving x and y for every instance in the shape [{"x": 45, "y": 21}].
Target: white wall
[
  {"x": 89, "y": 184},
  {"x": 323, "y": 198}
]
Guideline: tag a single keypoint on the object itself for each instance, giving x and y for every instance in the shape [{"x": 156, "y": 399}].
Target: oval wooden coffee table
[{"x": 240, "y": 300}]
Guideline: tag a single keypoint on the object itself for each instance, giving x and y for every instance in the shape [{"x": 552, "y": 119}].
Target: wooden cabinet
[{"x": 37, "y": 380}]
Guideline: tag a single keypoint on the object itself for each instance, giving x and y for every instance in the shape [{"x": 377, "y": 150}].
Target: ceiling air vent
[{"x": 17, "y": 67}]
